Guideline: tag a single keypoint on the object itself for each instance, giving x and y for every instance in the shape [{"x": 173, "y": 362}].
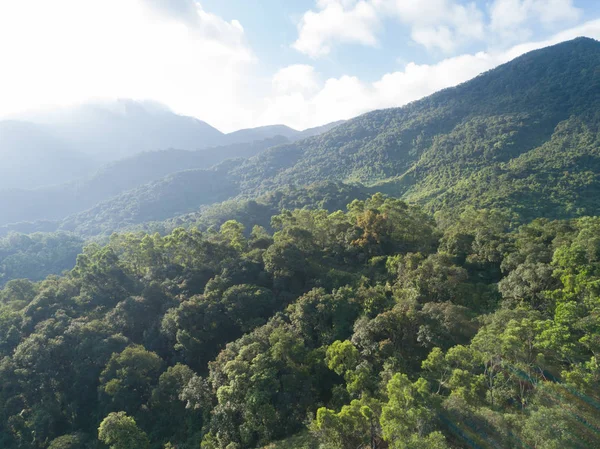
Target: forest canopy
[{"x": 375, "y": 327}]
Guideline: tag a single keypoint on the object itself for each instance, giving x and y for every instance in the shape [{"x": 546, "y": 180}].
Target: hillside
[
  {"x": 265, "y": 132},
  {"x": 52, "y": 148},
  {"x": 143, "y": 209},
  {"x": 57, "y": 202},
  {"x": 157, "y": 200},
  {"x": 521, "y": 137},
  {"x": 115, "y": 130},
  {"x": 271, "y": 295},
  {"x": 432, "y": 146},
  {"x": 32, "y": 157}
]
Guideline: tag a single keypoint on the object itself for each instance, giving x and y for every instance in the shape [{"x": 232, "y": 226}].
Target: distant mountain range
[
  {"x": 524, "y": 137},
  {"x": 266, "y": 132},
  {"x": 58, "y": 199},
  {"x": 65, "y": 145}
]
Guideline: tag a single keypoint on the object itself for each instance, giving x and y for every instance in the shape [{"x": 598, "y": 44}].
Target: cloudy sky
[{"x": 243, "y": 63}]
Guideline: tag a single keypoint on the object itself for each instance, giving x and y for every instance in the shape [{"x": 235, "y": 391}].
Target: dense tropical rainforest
[{"x": 425, "y": 277}]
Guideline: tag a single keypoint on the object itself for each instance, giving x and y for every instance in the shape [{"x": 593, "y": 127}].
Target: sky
[{"x": 245, "y": 63}]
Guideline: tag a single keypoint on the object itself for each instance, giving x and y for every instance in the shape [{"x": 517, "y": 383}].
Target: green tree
[
  {"x": 120, "y": 431},
  {"x": 408, "y": 418},
  {"x": 128, "y": 378}
]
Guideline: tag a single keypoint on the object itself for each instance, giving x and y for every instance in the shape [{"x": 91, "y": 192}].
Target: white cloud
[
  {"x": 345, "y": 21},
  {"x": 587, "y": 29},
  {"x": 65, "y": 51},
  {"x": 444, "y": 25},
  {"x": 297, "y": 78},
  {"x": 511, "y": 19},
  {"x": 436, "y": 24}
]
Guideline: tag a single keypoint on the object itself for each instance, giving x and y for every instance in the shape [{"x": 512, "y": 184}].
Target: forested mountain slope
[
  {"x": 373, "y": 326},
  {"x": 264, "y": 132},
  {"x": 523, "y": 137},
  {"x": 37, "y": 255},
  {"x": 44, "y": 248},
  {"x": 435, "y": 144},
  {"x": 123, "y": 128},
  {"x": 118, "y": 129},
  {"x": 59, "y": 201},
  {"x": 132, "y": 211},
  {"x": 54, "y": 147}
]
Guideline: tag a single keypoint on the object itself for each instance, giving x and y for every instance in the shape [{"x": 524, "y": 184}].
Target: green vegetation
[
  {"x": 35, "y": 256},
  {"x": 258, "y": 212},
  {"x": 522, "y": 137},
  {"x": 370, "y": 328},
  {"x": 59, "y": 201}
]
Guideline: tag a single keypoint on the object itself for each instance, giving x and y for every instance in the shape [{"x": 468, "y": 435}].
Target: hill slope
[
  {"x": 266, "y": 132},
  {"x": 522, "y": 137},
  {"x": 120, "y": 129},
  {"x": 33, "y": 157},
  {"x": 57, "y": 202},
  {"x": 448, "y": 136},
  {"x": 51, "y": 148}
]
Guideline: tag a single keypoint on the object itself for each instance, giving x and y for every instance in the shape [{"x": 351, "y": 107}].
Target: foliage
[
  {"x": 374, "y": 327},
  {"x": 36, "y": 256},
  {"x": 120, "y": 431}
]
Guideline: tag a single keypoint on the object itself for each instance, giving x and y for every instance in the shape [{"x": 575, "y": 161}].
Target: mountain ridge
[
  {"x": 428, "y": 150},
  {"x": 425, "y": 151},
  {"x": 93, "y": 135}
]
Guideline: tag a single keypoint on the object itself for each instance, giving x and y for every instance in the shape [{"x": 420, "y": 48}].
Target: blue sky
[{"x": 242, "y": 63}]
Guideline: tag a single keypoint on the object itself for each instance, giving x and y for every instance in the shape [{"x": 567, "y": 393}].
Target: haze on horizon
[{"x": 323, "y": 61}]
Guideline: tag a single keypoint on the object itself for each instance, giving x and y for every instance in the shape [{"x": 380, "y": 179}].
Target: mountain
[
  {"x": 371, "y": 328},
  {"x": 66, "y": 144},
  {"x": 265, "y": 132},
  {"x": 522, "y": 137},
  {"x": 53, "y": 199},
  {"x": 311, "y": 132},
  {"x": 486, "y": 122},
  {"x": 260, "y": 133},
  {"x": 155, "y": 201},
  {"x": 33, "y": 157},
  {"x": 58, "y": 201},
  {"x": 58, "y": 146},
  {"x": 115, "y": 130},
  {"x": 375, "y": 326},
  {"x": 161, "y": 206}
]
